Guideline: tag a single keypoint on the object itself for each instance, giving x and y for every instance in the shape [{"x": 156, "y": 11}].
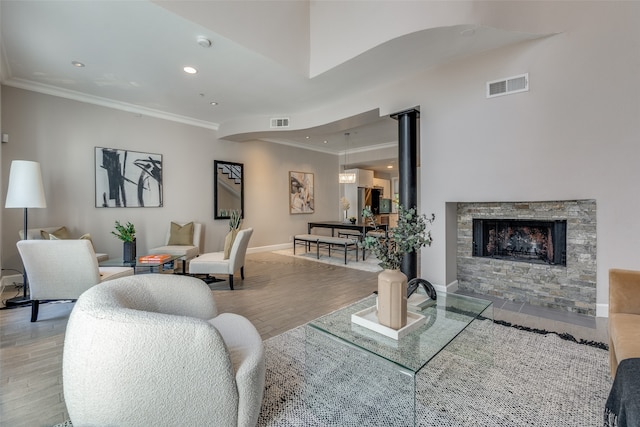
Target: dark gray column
[{"x": 408, "y": 173}]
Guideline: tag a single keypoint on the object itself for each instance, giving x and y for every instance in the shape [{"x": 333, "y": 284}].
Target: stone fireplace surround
[{"x": 569, "y": 288}]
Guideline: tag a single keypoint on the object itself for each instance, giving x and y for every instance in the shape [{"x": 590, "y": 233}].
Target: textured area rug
[
  {"x": 491, "y": 375},
  {"x": 336, "y": 258}
]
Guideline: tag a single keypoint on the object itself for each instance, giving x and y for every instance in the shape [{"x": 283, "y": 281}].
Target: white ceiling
[{"x": 134, "y": 52}]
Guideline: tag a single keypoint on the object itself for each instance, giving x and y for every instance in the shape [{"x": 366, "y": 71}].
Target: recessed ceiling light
[
  {"x": 390, "y": 167},
  {"x": 77, "y": 64},
  {"x": 213, "y": 103},
  {"x": 325, "y": 141},
  {"x": 190, "y": 70}
]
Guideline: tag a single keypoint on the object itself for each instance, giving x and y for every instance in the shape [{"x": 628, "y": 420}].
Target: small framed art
[{"x": 301, "y": 197}]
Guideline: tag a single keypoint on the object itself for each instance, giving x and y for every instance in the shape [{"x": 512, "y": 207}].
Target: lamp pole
[{"x": 25, "y": 191}]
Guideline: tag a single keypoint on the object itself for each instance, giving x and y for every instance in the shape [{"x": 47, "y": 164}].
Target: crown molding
[
  {"x": 293, "y": 144},
  {"x": 104, "y": 102}
]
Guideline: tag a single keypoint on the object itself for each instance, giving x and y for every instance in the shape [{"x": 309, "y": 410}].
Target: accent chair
[
  {"x": 182, "y": 239},
  {"x": 215, "y": 263},
  {"x": 152, "y": 350},
  {"x": 62, "y": 270}
]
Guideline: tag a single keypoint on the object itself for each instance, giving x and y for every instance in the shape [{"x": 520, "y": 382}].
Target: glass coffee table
[
  {"x": 143, "y": 267},
  {"x": 353, "y": 373}
]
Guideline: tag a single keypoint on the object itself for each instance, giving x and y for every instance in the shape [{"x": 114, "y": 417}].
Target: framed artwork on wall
[
  {"x": 301, "y": 197},
  {"x": 127, "y": 179}
]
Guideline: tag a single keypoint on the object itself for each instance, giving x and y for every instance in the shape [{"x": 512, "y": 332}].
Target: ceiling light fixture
[
  {"x": 190, "y": 70},
  {"x": 213, "y": 103},
  {"x": 346, "y": 177},
  {"x": 389, "y": 166},
  {"x": 77, "y": 64}
]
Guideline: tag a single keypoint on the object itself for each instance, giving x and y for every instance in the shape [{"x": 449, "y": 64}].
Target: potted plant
[
  {"x": 235, "y": 219},
  {"x": 408, "y": 236},
  {"x": 126, "y": 233}
]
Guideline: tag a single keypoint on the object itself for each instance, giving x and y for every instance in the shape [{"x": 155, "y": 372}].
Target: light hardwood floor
[{"x": 278, "y": 293}]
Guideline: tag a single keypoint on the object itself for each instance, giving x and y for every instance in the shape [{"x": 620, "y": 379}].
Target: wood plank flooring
[{"x": 278, "y": 293}]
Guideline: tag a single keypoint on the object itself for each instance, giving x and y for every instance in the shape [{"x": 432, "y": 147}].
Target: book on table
[{"x": 154, "y": 259}]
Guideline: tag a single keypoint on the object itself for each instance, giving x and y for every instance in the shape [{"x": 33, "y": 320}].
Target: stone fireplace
[
  {"x": 541, "y": 253},
  {"x": 521, "y": 240}
]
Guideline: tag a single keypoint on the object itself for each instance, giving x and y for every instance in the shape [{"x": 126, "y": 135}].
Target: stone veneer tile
[{"x": 571, "y": 288}]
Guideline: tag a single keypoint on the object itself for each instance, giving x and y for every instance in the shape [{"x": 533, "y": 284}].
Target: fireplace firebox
[{"x": 532, "y": 241}]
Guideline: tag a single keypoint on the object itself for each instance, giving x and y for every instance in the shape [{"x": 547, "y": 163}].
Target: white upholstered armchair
[
  {"x": 183, "y": 240},
  {"x": 215, "y": 263},
  {"x": 62, "y": 269},
  {"x": 152, "y": 350}
]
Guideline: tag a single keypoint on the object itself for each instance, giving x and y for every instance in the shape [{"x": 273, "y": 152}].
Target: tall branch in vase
[{"x": 345, "y": 206}]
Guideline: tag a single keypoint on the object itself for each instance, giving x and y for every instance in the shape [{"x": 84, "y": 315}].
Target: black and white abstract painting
[{"x": 128, "y": 179}]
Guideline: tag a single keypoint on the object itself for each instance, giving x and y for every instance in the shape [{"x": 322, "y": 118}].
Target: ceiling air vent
[
  {"x": 279, "y": 122},
  {"x": 508, "y": 86}
]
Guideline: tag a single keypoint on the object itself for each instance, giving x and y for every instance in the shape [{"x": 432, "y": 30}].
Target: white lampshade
[{"x": 25, "y": 186}]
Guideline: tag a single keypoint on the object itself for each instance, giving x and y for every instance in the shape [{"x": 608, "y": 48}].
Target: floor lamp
[{"x": 25, "y": 191}]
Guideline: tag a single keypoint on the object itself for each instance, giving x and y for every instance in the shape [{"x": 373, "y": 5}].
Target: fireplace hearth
[{"x": 532, "y": 241}]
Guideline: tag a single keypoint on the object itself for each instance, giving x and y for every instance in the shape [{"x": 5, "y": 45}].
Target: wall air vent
[
  {"x": 508, "y": 86},
  {"x": 279, "y": 122}
]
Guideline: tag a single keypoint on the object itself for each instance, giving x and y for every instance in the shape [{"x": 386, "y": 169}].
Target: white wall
[
  {"x": 574, "y": 135},
  {"x": 61, "y": 134}
]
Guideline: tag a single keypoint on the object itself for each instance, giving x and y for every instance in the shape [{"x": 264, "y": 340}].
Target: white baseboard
[
  {"x": 449, "y": 288},
  {"x": 602, "y": 310},
  {"x": 269, "y": 248}
]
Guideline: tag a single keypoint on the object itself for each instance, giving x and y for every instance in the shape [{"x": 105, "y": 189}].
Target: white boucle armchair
[{"x": 151, "y": 350}]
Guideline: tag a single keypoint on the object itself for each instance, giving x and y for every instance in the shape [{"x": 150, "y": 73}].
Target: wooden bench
[{"x": 325, "y": 241}]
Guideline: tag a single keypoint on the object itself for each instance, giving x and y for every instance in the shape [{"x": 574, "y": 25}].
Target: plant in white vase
[
  {"x": 408, "y": 236},
  {"x": 345, "y": 206}
]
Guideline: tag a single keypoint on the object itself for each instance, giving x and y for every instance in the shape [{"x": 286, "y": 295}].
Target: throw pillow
[
  {"x": 181, "y": 234},
  {"x": 87, "y": 236},
  {"x": 60, "y": 233},
  {"x": 228, "y": 243}
]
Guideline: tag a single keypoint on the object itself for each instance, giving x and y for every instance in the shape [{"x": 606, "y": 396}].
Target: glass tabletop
[
  {"x": 136, "y": 263},
  {"x": 445, "y": 321}
]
